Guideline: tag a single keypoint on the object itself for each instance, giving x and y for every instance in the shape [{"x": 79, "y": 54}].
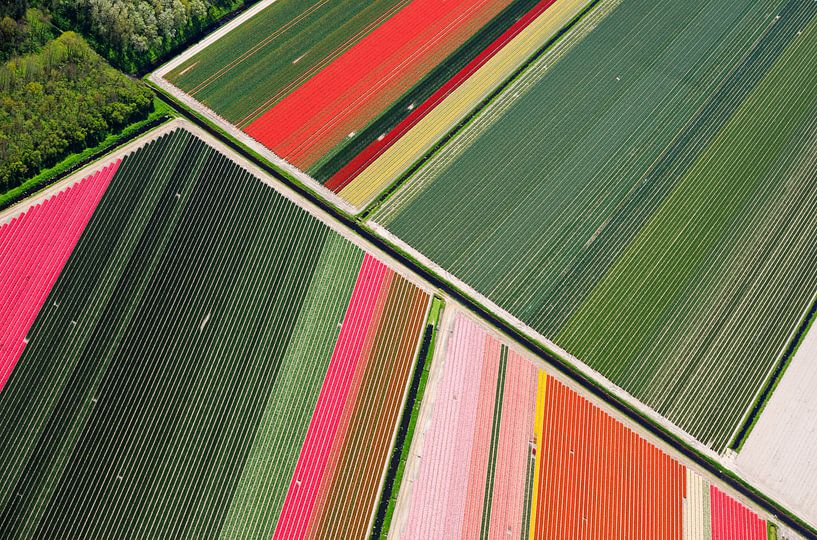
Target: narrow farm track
[
  {"x": 440, "y": 488},
  {"x": 661, "y": 98},
  {"x": 193, "y": 305}
]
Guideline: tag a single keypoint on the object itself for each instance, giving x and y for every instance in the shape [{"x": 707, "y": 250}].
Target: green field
[
  {"x": 642, "y": 195},
  {"x": 248, "y": 70},
  {"x": 169, "y": 380}
]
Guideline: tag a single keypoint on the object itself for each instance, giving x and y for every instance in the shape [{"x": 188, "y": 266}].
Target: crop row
[
  {"x": 189, "y": 348},
  {"x": 625, "y": 195},
  {"x": 507, "y": 450},
  {"x": 335, "y": 483},
  {"x": 250, "y": 69},
  {"x": 329, "y": 86},
  {"x": 348, "y": 93}
]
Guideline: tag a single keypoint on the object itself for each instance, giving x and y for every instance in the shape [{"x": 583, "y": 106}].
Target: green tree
[{"x": 61, "y": 99}]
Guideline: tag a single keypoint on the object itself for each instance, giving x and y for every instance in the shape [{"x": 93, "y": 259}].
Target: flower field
[
  {"x": 385, "y": 160},
  {"x": 247, "y": 71},
  {"x": 422, "y": 269},
  {"x": 642, "y": 196},
  {"x": 229, "y": 365},
  {"x": 330, "y": 86},
  {"x": 508, "y": 450},
  {"x": 348, "y": 93}
]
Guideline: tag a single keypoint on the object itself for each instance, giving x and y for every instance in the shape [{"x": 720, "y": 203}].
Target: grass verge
[
  {"x": 161, "y": 113},
  {"x": 408, "y": 421}
]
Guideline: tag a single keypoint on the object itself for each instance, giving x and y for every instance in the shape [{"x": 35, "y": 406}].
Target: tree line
[
  {"x": 134, "y": 34},
  {"x": 23, "y": 32}
]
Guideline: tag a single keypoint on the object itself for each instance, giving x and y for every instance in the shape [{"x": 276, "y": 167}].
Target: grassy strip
[
  {"x": 455, "y": 130},
  {"x": 161, "y": 113},
  {"x": 771, "y": 530},
  {"x": 408, "y": 421},
  {"x": 775, "y": 378},
  {"x": 526, "y": 508},
  {"x": 420, "y": 92},
  {"x": 488, "y": 496},
  {"x": 534, "y": 346}
]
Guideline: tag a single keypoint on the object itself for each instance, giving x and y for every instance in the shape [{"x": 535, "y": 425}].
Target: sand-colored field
[
  {"x": 778, "y": 457},
  {"x": 411, "y": 147}
]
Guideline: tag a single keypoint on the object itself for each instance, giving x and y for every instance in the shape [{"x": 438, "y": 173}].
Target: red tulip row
[{"x": 351, "y": 91}]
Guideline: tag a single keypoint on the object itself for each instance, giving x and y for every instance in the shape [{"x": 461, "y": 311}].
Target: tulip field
[
  {"x": 418, "y": 270},
  {"x": 206, "y": 359},
  {"x": 510, "y": 451},
  {"x": 643, "y": 195},
  {"x": 331, "y": 85}
]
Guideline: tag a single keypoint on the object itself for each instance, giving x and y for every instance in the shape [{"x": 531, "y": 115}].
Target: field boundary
[
  {"x": 571, "y": 362},
  {"x": 755, "y": 411},
  {"x": 207, "y": 35},
  {"x": 405, "y": 412},
  {"x": 159, "y": 82}
]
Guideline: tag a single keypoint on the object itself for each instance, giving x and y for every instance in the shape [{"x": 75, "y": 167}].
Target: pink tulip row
[
  {"x": 515, "y": 437},
  {"x": 733, "y": 521},
  {"x": 34, "y": 247},
  {"x": 449, "y": 496},
  {"x": 439, "y": 493},
  {"x": 338, "y": 391}
]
